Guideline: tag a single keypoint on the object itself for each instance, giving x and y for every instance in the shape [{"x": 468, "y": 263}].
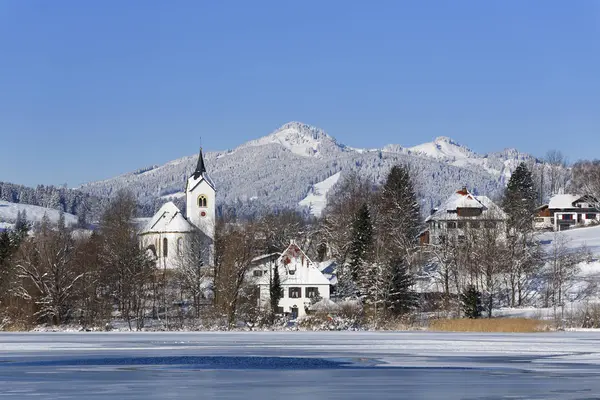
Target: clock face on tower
[{"x": 203, "y": 213}]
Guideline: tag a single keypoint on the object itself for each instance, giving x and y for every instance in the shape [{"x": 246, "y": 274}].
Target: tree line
[{"x": 55, "y": 274}]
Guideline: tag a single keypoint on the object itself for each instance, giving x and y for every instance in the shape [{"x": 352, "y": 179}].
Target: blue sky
[{"x": 91, "y": 89}]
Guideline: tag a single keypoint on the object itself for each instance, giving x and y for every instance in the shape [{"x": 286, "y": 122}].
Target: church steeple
[{"x": 200, "y": 168}]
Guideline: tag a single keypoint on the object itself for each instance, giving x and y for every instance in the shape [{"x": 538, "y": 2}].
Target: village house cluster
[{"x": 307, "y": 285}]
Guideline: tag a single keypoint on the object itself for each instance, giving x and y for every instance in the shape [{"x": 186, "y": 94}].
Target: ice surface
[{"x": 300, "y": 365}]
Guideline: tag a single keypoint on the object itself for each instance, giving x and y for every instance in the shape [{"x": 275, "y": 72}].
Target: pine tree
[
  {"x": 398, "y": 218},
  {"x": 470, "y": 300},
  {"x": 362, "y": 243},
  {"x": 21, "y": 225},
  {"x": 275, "y": 290},
  {"x": 519, "y": 199},
  {"x": 401, "y": 298}
]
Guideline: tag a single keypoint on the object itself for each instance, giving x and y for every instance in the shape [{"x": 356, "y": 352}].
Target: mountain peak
[
  {"x": 301, "y": 139},
  {"x": 442, "y": 147},
  {"x": 446, "y": 139}
]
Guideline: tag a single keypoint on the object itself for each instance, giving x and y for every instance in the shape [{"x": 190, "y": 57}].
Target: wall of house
[
  {"x": 288, "y": 303},
  {"x": 459, "y": 227},
  {"x": 568, "y": 219}
]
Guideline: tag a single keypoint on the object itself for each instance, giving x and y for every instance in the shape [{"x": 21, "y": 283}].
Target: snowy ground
[
  {"x": 300, "y": 365},
  {"x": 9, "y": 211}
]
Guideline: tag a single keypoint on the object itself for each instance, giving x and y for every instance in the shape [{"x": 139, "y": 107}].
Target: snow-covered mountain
[
  {"x": 295, "y": 164},
  {"x": 301, "y": 139}
]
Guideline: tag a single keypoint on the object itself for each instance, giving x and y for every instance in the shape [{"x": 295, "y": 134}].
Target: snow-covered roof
[
  {"x": 295, "y": 268},
  {"x": 168, "y": 219},
  {"x": 193, "y": 181},
  {"x": 260, "y": 258},
  {"x": 465, "y": 199},
  {"x": 562, "y": 201}
]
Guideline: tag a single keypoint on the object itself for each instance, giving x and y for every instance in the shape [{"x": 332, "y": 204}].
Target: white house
[
  {"x": 301, "y": 281},
  {"x": 462, "y": 211},
  {"x": 167, "y": 232},
  {"x": 568, "y": 210}
]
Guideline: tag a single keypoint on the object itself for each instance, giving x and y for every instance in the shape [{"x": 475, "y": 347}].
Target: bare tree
[
  {"x": 586, "y": 180},
  {"x": 235, "y": 248},
  {"x": 558, "y": 173},
  {"x": 563, "y": 266},
  {"x": 45, "y": 260},
  {"x": 343, "y": 203},
  {"x": 193, "y": 271},
  {"x": 127, "y": 272},
  {"x": 488, "y": 260}
]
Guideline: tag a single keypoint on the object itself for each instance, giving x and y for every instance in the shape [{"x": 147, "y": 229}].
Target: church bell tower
[{"x": 200, "y": 199}]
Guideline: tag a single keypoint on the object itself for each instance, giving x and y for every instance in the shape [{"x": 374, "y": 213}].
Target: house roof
[
  {"x": 305, "y": 271},
  {"x": 258, "y": 259},
  {"x": 168, "y": 219},
  {"x": 562, "y": 201},
  {"x": 465, "y": 199}
]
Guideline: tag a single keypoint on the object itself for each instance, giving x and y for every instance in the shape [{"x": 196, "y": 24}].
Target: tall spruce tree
[
  {"x": 275, "y": 290},
  {"x": 520, "y": 199},
  {"x": 362, "y": 243},
  {"x": 401, "y": 297},
  {"x": 398, "y": 216}
]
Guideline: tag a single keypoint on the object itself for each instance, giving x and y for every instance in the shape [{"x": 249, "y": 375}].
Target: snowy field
[{"x": 300, "y": 365}]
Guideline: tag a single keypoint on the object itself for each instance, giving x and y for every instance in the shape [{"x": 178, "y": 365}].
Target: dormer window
[{"x": 202, "y": 201}]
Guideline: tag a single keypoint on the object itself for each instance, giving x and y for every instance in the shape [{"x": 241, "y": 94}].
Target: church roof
[
  {"x": 200, "y": 167},
  {"x": 200, "y": 175},
  {"x": 168, "y": 219}
]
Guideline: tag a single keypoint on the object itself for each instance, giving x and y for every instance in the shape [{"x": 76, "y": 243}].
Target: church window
[
  {"x": 202, "y": 201},
  {"x": 179, "y": 246},
  {"x": 165, "y": 247}
]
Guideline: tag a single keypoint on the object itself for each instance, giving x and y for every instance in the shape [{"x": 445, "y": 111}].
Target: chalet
[
  {"x": 565, "y": 211},
  {"x": 301, "y": 281},
  {"x": 460, "y": 212}
]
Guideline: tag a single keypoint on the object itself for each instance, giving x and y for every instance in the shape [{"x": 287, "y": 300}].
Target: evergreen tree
[
  {"x": 401, "y": 298},
  {"x": 520, "y": 199},
  {"x": 470, "y": 300},
  {"x": 21, "y": 225},
  {"x": 275, "y": 290},
  {"x": 362, "y": 243},
  {"x": 398, "y": 218}
]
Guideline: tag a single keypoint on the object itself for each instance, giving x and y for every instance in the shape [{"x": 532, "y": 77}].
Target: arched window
[
  {"x": 165, "y": 247},
  {"x": 202, "y": 201},
  {"x": 179, "y": 246}
]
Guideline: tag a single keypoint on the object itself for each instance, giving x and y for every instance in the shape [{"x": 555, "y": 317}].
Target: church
[{"x": 169, "y": 231}]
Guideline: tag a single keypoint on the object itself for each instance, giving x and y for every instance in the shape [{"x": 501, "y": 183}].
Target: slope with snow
[
  {"x": 316, "y": 200},
  {"x": 301, "y": 139},
  {"x": 9, "y": 212},
  {"x": 274, "y": 171}
]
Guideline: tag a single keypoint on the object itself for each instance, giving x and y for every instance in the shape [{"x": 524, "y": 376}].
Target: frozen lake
[{"x": 300, "y": 365}]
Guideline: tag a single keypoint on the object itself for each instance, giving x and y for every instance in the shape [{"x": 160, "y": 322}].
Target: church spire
[{"x": 200, "y": 168}]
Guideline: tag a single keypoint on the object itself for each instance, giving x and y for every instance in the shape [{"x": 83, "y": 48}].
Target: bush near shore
[{"x": 516, "y": 325}]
